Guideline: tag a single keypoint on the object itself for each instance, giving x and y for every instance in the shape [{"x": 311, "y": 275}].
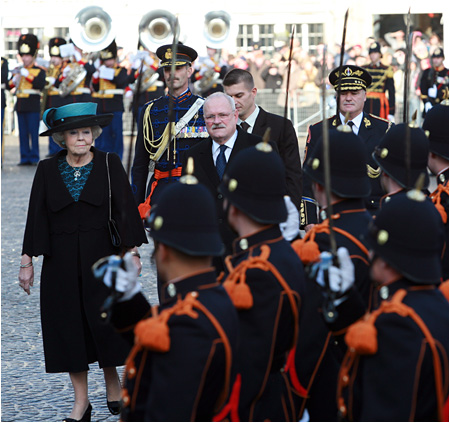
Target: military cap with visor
[
  {"x": 408, "y": 234},
  {"x": 72, "y": 116},
  {"x": 348, "y": 165},
  {"x": 353, "y": 78},
  {"x": 184, "y": 55},
  {"x": 254, "y": 182},
  {"x": 391, "y": 155}
]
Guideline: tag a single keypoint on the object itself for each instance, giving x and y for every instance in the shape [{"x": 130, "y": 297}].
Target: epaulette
[
  {"x": 152, "y": 101},
  {"x": 378, "y": 117}
]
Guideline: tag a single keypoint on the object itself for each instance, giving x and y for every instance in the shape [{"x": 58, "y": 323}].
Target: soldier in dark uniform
[
  {"x": 265, "y": 282},
  {"x": 435, "y": 126},
  {"x": 109, "y": 83},
  {"x": 152, "y": 85},
  {"x": 369, "y": 128},
  {"x": 52, "y": 95},
  {"x": 434, "y": 81},
  {"x": 209, "y": 73},
  {"x": 397, "y": 172},
  {"x": 382, "y": 81},
  {"x": 181, "y": 366},
  {"x": 396, "y": 366},
  {"x": 28, "y": 81},
  {"x": 159, "y": 150},
  {"x": 317, "y": 356}
]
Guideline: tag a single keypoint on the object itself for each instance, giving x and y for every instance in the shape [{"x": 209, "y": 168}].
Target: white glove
[
  {"x": 24, "y": 72},
  {"x": 106, "y": 73},
  {"x": 129, "y": 94},
  {"x": 77, "y": 55},
  {"x": 66, "y": 71},
  {"x": 391, "y": 118},
  {"x": 291, "y": 227},
  {"x": 341, "y": 278},
  {"x": 126, "y": 280},
  {"x": 136, "y": 64},
  {"x": 95, "y": 75},
  {"x": 432, "y": 92},
  {"x": 148, "y": 60},
  {"x": 16, "y": 80},
  {"x": 428, "y": 106},
  {"x": 51, "y": 80}
]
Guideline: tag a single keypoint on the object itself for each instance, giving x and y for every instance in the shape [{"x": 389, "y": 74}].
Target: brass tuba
[
  {"x": 218, "y": 28},
  {"x": 92, "y": 30},
  {"x": 157, "y": 28}
]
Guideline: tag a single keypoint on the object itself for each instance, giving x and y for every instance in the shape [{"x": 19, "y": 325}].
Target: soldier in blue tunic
[{"x": 160, "y": 146}]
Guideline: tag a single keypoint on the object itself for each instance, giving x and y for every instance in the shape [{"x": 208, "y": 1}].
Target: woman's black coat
[{"x": 72, "y": 236}]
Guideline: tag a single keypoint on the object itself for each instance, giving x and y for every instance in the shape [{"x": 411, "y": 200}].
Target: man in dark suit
[
  {"x": 369, "y": 128},
  {"x": 210, "y": 162},
  {"x": 239, "y": 84}
]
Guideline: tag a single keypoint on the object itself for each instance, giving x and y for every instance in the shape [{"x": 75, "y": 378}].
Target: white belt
[
  {"x": 108, "y": 92},
  {"x": 81, "y": 91},
  {"x": 28, "y": 91}
]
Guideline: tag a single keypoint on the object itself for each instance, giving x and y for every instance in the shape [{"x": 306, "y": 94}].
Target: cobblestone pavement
[{"x": 28, "y": 393}]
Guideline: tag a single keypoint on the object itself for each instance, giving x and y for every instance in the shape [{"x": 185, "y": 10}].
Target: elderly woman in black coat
[{"x": 67, "y": 223}]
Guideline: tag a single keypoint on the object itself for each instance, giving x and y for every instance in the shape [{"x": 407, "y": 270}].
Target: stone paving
[{"x": 28, "y": 393}]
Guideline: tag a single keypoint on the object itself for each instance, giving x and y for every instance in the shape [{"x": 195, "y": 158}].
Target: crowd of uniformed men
[{"x": 259, "y": 320}]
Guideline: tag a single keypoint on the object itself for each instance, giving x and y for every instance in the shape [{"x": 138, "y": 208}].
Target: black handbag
[{"x": 112, "y": 225}]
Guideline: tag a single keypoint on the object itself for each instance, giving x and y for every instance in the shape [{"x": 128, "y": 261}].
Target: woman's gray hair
[{"x": 58, "y": 137}]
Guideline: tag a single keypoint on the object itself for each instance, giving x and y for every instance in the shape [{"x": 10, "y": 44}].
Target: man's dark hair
[{"x": 236, "y": 76}]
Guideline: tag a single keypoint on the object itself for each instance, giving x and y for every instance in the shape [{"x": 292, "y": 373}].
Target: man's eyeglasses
[{"x": 221, "y": 116}]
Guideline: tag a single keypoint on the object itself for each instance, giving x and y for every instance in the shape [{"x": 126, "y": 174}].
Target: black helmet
[
  {"x": 348, "y": 165},
  {"x": 411, "y": 248},
  {"x": 435, "y": 126},
  {"x": 254, "y": 182},
  {"x": 185, "y": 219},
  {"x": 391, "y": 155}
]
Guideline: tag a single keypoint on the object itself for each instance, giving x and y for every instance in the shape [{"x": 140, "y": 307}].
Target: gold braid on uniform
[
  {"x": 159, "y": 145},
  {"x": 361, "y": 339}
]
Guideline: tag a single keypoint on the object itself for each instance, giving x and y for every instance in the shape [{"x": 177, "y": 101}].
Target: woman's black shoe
[
  {"x": 114, "y": 407},
  {"x": 86, "y": 416}
]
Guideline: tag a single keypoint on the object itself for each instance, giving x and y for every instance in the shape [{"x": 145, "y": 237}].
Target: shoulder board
[
  {"x": 152, "y": 101},
  {"x": 378, "y": 117}
]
